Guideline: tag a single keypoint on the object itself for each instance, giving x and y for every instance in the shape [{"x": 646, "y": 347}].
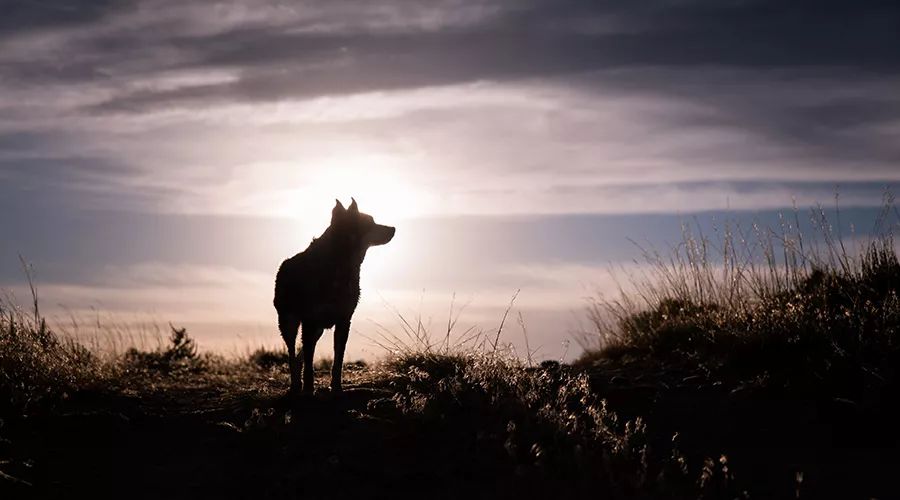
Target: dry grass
[
  {"x": 38, "y": 369},
  {"x": 709, "y": 296}
]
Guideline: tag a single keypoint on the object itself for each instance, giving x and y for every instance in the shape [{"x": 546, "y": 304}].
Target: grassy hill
[{"x": 718, "y": 376}]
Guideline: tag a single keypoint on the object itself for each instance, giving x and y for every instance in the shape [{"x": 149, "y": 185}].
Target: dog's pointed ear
[
  {"x": 354, "y": 209},
  {"x": 338, "y": 211}
]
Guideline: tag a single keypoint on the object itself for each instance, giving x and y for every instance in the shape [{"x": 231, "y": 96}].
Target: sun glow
[{"x": 380, "y": 189}]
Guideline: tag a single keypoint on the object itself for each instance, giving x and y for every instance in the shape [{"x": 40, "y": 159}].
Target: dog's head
[{"x": 358, "y": 229}]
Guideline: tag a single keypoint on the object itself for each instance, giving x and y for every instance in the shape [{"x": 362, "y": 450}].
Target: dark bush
[{"x": 179, "y": 356}]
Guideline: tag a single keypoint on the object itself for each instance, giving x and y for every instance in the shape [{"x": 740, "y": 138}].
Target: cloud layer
[
  {"x": 159, "y": 105},
  {"x": 165, "y": 155}
]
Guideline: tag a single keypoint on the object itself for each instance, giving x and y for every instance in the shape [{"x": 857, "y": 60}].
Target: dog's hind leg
[
  {"x": 341, "y": 332},
  {"x": 288, "y": 326},
  {"x": 309, "y": 336}
]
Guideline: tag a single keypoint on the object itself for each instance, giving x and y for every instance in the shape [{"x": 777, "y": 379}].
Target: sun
[
  {"x": 380, "y": 189},
  {"x": 382, "y": 186}
]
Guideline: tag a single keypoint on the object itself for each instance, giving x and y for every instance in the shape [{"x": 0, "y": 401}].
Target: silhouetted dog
[{"x": 319, "y": 289}]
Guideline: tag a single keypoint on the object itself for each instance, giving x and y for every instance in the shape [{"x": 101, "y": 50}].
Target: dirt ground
[{"x": 237, "y": 435}]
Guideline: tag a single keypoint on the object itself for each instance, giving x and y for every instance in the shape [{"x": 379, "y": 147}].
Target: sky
[{"x": 158, "y": 159}]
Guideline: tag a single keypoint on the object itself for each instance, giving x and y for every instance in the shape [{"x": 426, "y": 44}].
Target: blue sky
[{"x": 160, "y": 158}]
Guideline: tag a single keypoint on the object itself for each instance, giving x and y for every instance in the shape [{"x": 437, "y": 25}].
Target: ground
[{"x": 235, "y": 434}]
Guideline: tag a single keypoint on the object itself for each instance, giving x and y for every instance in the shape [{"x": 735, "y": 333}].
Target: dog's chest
[
  {"x": 342, "y": 290},
  {"x": 337, "y": 302}
]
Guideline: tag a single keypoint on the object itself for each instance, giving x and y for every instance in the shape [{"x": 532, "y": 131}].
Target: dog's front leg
[
  {"x": 341, "y": 333},
  {"x": 294, "y": 367}
]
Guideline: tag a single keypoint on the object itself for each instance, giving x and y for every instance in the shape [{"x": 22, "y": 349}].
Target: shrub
[
  {"x": 812, "y": 317},
  {"x": 179, "y": 356}
]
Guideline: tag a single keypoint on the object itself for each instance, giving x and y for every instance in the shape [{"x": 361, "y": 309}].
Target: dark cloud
[
  {"x": 63, "y": 171},
  {"x": 534, "y": 39},
  {"x": 282, "y": 66},
  {"x": 37, "y": 187},
  {"x": 21, "y": 141},
  {"x": 30, "y": 15}
]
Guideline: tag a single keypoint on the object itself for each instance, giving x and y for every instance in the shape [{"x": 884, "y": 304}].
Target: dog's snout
[
  {"x": 381, "y": 235},
  {"x": 388, "y": 234}
]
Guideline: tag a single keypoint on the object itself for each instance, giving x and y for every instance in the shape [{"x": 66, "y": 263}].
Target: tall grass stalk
[{"x": 413, "y": 335}]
